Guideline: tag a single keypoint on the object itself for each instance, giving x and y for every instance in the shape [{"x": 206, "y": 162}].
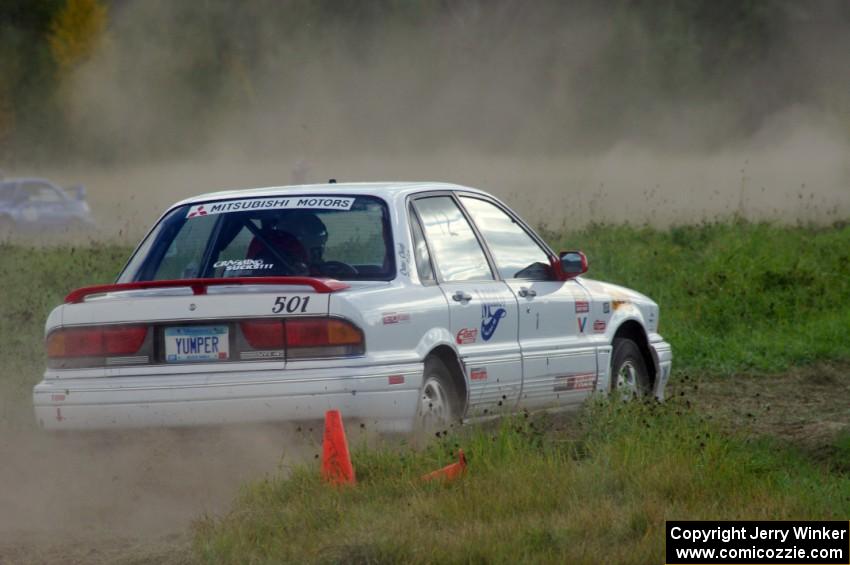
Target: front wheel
[
  {"x": 438, "y": 399},
  {"x": 7, "y": 228},
  {"x": 629, "y": 376}
]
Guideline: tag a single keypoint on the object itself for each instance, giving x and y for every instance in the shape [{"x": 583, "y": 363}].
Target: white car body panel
[{"x": 550, "y": 348}]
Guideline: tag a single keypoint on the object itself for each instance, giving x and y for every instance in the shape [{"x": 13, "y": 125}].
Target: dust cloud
[
  {"x": 113, "y": 490},
  {"x": 572, "y": 112},
  {"x": 801, "y": 176}
]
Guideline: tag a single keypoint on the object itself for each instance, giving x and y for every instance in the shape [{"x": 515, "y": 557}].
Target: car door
[
  {"x": 43, "y": 204},
  {"x": 559, "y": 359},
  {"x": 482, "y": 309},
  {"x": 8, "y": 199}
]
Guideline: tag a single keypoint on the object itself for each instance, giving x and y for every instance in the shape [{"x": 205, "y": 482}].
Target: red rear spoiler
[{"x": 199, "y": 286}]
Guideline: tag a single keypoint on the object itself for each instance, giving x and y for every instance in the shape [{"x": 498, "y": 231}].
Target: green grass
[
  {"x": 599, "y": 492},
  {"x": 734, "y": 297},
  {"x": 32, "y": 282}
]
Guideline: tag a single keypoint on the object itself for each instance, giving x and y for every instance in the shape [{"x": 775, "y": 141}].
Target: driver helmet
[{"x": 310, "y": 231}]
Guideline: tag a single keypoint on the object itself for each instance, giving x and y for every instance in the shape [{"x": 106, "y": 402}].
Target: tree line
[{"x": 122, "y": 80}]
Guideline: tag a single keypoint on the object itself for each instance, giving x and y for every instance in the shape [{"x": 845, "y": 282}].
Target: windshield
[{"x": 341, "y": 237}]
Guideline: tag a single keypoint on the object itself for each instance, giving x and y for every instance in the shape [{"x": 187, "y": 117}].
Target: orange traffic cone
[
  {"x": 336, "y": 461},
  {"x": 449, "y": 472}
]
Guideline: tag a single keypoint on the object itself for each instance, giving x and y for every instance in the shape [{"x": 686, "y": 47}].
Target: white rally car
[{"x": 402, "y": 304}]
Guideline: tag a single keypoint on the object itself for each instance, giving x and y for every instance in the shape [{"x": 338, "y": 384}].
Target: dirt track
[
  {"x": 128, "y": 496},
  {"x": 807, "y": 407},
  {"x": 132, "y": 497}
]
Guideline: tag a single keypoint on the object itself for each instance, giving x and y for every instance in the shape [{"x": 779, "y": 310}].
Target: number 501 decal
[{"x": 290, "y": 304}]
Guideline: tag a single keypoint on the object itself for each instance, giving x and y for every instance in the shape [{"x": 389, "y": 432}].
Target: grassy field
[
  {"x": 32, "y": 282},
  {"x": 734, "y": 297},
  {"x": 594, "y": 490},
  {"x": 765, "y": 306}
]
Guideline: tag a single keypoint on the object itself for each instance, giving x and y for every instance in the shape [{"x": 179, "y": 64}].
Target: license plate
[{"x": 197, "y": 343}]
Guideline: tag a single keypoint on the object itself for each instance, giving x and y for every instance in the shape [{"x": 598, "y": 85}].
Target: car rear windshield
[{"x": 341, "y": 237}]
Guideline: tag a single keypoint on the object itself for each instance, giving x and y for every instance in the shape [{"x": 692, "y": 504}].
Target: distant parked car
[{"x": 32, "y": 204}]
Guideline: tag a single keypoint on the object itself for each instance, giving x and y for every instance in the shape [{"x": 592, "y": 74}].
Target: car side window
[
  {"x": 420, "y": 251},
  {"x": 457, "y": 253},
  {"x": 517, "y": 254},
  {"x": 40, "y": 193},
  {"x": 8, "y": 193}
]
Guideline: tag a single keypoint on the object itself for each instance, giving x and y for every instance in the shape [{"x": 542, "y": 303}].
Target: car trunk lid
[{"x": 200, "y": 321}]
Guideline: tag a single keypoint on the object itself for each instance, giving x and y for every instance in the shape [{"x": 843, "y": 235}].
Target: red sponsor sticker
[
  {"x": 599, "y": 326},
  {"x": 57, "y": 397},
  {"x": 567, "y": 383},
  {"x": 466, "y": 335},
  {"x": 197, "y": 211},
  {"x": 478, "y": 374},
  {"x": 582, "y": 307},
  {"x": 395, "y": 318},
  {"x": 395, "y": 379}
]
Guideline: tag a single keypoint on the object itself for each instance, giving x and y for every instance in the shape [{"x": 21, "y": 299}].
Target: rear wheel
[
  {"x": 629, "y": 376},
  {"x": 7, "y": 228},
  {"x": 439, "y": 405}
]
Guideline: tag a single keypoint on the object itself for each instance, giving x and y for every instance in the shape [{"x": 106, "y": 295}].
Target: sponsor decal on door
[
  {"x": 466, "y": 335},
  {"x": 574, "y": 383},
  {"x": 491, "y": 315}
]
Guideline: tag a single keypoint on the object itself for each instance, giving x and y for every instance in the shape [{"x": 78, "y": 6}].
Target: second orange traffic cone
[
  {"x": 449, "y": 472},
  {"x": 336, "y": 461}
]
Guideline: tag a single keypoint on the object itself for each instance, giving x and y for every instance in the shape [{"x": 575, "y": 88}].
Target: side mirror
[
  {"x": 573, "y": 264},
  {"x": 78, "y": 192}
]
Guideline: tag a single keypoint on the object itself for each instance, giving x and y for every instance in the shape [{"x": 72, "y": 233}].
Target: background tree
[{"x": 75, "y": 32}]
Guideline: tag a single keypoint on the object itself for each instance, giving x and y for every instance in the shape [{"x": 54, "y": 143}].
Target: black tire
[
  {"x": 76, "y": 226},
  {"x": 629, "y": 375},
  {"x": 439, "y": 402},
  {"x": 7, "y": 228}
]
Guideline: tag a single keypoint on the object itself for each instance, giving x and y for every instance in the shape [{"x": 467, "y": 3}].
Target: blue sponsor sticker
[{"x": 491, "y": 314}]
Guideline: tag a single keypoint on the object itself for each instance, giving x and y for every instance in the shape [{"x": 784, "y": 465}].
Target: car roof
[
  {"x": 14, "y": 180},
  {"x": 386, "y": 190}
]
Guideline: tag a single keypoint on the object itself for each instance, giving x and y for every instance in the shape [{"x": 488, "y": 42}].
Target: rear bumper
[
  {"x": 662, "y": 354},
  {"x": 363, "y": 393}
]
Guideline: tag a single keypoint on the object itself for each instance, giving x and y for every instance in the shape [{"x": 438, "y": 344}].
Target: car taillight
[
  {"x": 77, "y": 342},
  {"x": 123, "y": 340},
  {"x": 264, "y": 334},
  {"x": 301, "y": 338},
  {"x": 94, "y": 346},
  {"x": 325, "y": 337}
]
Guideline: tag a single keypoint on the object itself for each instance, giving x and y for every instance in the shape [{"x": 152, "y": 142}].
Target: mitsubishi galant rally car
[{"x": 408, "y": 305}]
